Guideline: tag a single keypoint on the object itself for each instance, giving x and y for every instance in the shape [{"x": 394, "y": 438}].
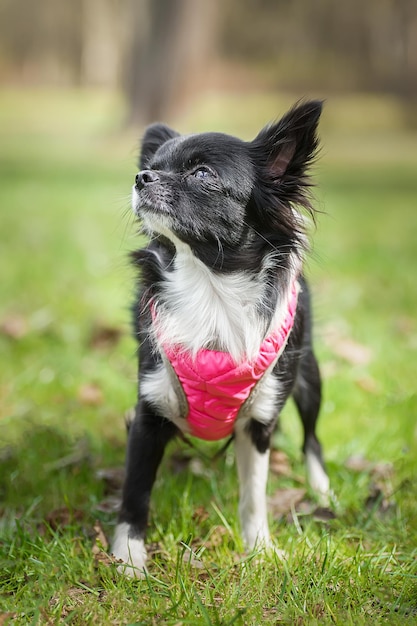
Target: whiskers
[{"x": 127, "y": 221}]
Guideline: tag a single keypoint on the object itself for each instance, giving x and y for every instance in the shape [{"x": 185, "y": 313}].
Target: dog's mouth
[
  {"x": 146, "y": 201},
  {"x": 153, "y": 210}
]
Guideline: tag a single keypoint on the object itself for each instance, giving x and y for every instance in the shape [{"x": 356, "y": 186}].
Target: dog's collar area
[{"x": 212, "y": 389}]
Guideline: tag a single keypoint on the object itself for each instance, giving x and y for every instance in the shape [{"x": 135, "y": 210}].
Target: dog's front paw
[
  {"x": 265, "y": 549},
  {"x": 255, "y": 531},
  {"x": 130, "y": 550},
  {"x": 272, "y": 549}
]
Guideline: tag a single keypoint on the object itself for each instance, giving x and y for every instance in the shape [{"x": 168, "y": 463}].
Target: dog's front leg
[
  {"x": 252, "y": 467},
  {"x": 148, "y": 435}
]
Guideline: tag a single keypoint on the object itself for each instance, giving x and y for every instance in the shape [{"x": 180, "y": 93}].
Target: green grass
[{"x": 65, "y": 284}]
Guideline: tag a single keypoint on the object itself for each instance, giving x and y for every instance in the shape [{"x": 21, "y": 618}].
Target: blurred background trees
[{"x": 160, "y": 52}]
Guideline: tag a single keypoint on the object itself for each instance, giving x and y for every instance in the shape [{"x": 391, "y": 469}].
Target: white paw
[
  {"x": 272, "y": 549},
  {"x": 256, "y": 534},
  {"x": 265, "y": 548},
  {"x": 317, "y": 478},
  {"x": 129, "y": 550}
]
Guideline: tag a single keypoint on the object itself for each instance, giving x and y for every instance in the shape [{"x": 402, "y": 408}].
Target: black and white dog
[{"x": 223, "y": 315}]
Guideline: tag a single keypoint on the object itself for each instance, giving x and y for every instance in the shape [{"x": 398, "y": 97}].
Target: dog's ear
[
  {"x": 282, "y": 152},
  {"x": 155, "y": 136}
]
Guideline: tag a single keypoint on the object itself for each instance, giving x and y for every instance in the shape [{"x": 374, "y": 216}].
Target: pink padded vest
[{"x": 216, "y": 388}]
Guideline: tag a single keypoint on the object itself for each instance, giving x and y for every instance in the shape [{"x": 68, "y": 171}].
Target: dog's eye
[{"x": 202, "y": 172}]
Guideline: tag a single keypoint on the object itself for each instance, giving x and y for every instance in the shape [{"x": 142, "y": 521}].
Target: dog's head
[{"x": 224, "y": 197}]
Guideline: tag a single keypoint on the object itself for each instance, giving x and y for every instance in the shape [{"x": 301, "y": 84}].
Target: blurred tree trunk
[
  {"x": 100, "y": 25},
  {"x": 170, "y": 48},
  {"x": 408, "y": 60},
  {"x": 408, "y": 49}
]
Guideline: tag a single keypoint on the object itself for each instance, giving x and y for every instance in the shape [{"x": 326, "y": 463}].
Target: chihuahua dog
[{"x": 223, "y": 314}]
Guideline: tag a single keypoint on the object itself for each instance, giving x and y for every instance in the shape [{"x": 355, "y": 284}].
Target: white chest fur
[{"x": 199, "y": 308}]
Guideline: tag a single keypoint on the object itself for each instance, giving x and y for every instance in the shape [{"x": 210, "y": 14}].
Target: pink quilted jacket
[{"x": 216, "y": 388}]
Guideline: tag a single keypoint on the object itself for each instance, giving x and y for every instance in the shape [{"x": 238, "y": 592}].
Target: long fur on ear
[
  {"x": 282, "y": 154},
  {"x": 155, "y": 136}
]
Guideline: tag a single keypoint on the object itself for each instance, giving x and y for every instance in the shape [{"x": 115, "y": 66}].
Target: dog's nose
[{"x": 145, "y": 177}]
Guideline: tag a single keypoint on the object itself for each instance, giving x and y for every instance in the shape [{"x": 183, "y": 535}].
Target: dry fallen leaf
[
  {"x": 308, "y": 509},
  {"x": 194, "y": 562},
  {"x": 100, "y": 556},
  {"x": 5, "y": 617},
  {"x": 346, "y": 348},
  {"x": 216, "y": 536},
  {"x": 380, "y": 488},
  {"x": 304, "y": 507},
  {"x": 367, "y": 383},
  {"x": 14, "y": 326},
  {"x": 111, "y": 504},
  {"x": 279, "y": 463},
  {"x": 103, "y": 337},
  {"x": 113, "y": 478},
  {"x": 101, "y": 538},
  {"x": 283, "y": 500},
  {"x": 74, "y": 597},
  {"x": 90, "y": 394},
  {"x": 154, "y": 548},
  {"x": 200, "y": 515},
  {"x": 352, "y": 352},
  {"x": 101, "y": 546},
  {"x": 379, "y": 500},
  {"x": 380, "y": 470},
  {"x": 358, "y": 463},
  {"x": 63, "y": 516},
  {"x": 323, "y": 514}
]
